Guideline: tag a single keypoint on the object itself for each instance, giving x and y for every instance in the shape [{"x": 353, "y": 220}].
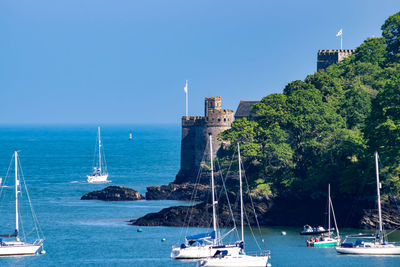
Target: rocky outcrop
[
  {"x": 200, "y": 215},
  {"x": 390, "y": 217},
  {"x": 173, "y": 191},
  {"x": 113, "y": 193}
]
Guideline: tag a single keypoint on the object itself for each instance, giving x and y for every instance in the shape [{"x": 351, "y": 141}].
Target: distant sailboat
[
  {"x": 130, "y": 136},
  {"x": 99, "y": 174},
  {"x": 18, "y": 247}
]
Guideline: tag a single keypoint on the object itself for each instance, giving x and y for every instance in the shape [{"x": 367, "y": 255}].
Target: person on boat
[
  {"x": 322, "y": 237},
  {"x": 312, "y": 239},
  {"x": 316, "y": 240}
]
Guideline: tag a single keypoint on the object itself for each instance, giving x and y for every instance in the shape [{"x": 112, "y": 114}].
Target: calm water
[{"x": 56, "y": 160}]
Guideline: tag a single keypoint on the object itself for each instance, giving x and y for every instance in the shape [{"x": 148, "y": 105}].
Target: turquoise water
[{"x": 56, "y": 160}]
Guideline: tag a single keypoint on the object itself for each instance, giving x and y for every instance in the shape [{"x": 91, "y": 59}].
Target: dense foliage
[{"x": 326, "y": 128}]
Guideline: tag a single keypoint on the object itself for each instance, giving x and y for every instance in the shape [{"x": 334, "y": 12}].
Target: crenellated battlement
[
  {"x": 192, "y": 120},
  {"x": 335, "y": 51}
]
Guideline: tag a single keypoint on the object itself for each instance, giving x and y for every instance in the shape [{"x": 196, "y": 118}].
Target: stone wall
[
  {"x": 329, "y": 57},
  {"x": 195, "y": 138}
]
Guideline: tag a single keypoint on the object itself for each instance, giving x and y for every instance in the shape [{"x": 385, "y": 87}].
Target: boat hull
[
  {"x": 199, "y": 252},
  {"x": 382, "y": 250},
  {"x": 236, "y": 261},
  {"x": 324, "y": 244},
  {"x": 18, "y": 249},
  {"x": 97, "y": 179}
]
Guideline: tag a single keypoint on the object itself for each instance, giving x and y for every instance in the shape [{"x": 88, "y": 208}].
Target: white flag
[
  {"x": 186, "y": 87},
  {"x": 339, "y": 33}
]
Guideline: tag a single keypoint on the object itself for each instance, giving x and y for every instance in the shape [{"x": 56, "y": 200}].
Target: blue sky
[{"x": 126, "y": 61}]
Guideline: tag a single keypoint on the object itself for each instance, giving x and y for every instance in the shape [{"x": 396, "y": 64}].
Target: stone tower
[
  {"x": 195, "y": 137},
  {"x": 329, "y": 57}
]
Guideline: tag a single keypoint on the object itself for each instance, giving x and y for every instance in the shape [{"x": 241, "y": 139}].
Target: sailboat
[
  {"x": 366, "y": 244},
  {"x": 241, "y": 259},
  {"x": 327, "y": 240},
  {"x": 99, "y": 174},
  {"x": 207, "y": 244},
  {"x": 18, "y": 247}
]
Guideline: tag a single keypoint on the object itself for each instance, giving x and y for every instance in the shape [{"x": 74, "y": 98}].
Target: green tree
[
  {"x": 391, "y": 33},
  {"x": 373, "y": 51}
]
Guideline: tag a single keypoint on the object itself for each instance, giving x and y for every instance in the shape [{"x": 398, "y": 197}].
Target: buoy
[
  {"x": 139, "y": 230},
  {"x": 163, "y": 240},
  {"x": 283, "y": 233}
]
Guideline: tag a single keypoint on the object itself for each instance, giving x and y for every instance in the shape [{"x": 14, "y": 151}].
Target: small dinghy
[{"x": 308, "y": 230}]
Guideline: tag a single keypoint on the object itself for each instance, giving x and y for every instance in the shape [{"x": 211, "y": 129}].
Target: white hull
[
  {"x": 97, "y": 178},
  {"x": 18, "y": 249},
  {"x": 236, "y": 261},
  {"x": 376, "y": 250},
  {"x": 199, "y": 252}
]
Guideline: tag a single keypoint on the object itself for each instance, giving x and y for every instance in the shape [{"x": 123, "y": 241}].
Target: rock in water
[{"x": 113, "y": 193}]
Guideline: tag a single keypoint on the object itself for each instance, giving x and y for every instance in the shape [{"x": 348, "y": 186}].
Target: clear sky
[{"x": 126, "y": 61}]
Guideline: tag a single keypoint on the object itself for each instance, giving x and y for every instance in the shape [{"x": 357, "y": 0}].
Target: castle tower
[
  {"x": 328, "y": 57},
  {"x": 195, "y": 137}
]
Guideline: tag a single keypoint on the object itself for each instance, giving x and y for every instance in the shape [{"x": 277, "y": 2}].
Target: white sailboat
[
  {"x": 18, "y": 247},
  {"x": 207, "y": 244},
  {"x": 370, "y": 244},
  {"x": 99, "y": 174},
  {"x": 241, "y": 259}
]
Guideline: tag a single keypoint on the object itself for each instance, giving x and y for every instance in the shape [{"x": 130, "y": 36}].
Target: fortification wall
[
  {"x": 326, "y": 58},
  {"x": 195, "y": 138}
]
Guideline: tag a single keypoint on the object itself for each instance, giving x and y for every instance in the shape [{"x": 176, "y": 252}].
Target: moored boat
[
  {"x": 221, "y": 258},
  {"x": 372, "y": 244},
  {"x": 327, "y": 240},
  {"x": 18, "y": 247},
  {"x": 206, "y": 244}
]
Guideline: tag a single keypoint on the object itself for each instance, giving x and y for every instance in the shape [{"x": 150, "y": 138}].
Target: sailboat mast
[
  {"x": 98, "y": 130},
  {"x": 378, "y": 186},
  {"x": 241, "y": 193},
  {"x": 16, "y": 195},
  {"x": 213, "y": 194},
  {"x": 329, "y": 209}
]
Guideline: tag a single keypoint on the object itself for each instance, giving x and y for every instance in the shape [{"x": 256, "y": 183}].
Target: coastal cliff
[
  {"x": 280, "y": 211},
  {"x": 178, "y": 192}
]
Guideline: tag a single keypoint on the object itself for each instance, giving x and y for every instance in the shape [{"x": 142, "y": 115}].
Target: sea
[{"x": 55, "y": 160}]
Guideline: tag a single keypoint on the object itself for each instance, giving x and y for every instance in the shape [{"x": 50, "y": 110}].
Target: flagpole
[
  {"x": 341, "y": 41},
  {"x": 186, "y": 91}
]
